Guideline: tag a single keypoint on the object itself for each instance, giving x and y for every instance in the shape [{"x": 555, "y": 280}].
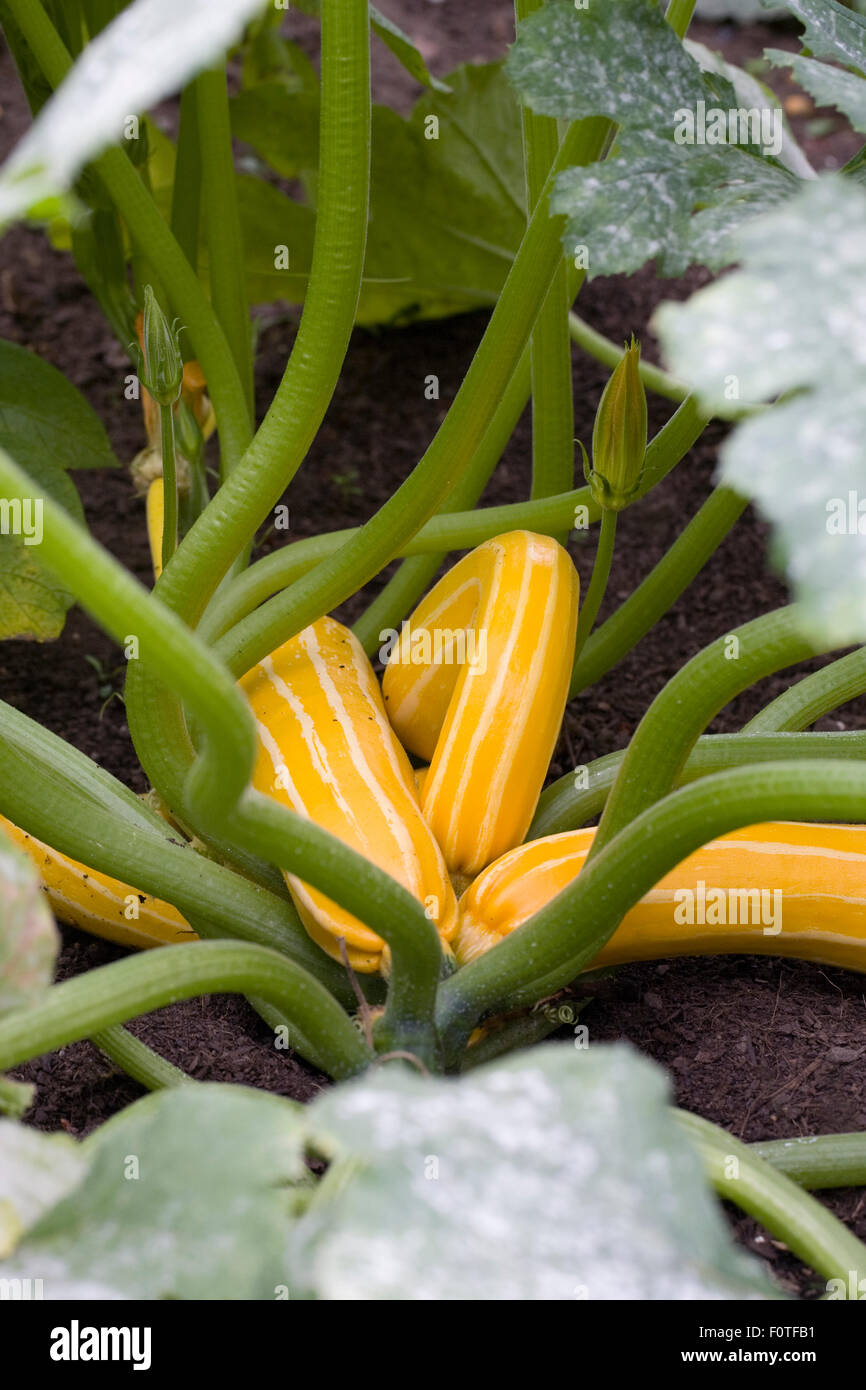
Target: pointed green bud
[
  {"x": 161, "y": 362},
  {"x": 619, "y": 435}
]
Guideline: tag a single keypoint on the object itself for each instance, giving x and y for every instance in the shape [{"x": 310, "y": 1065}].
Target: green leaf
[
  {"x": 404, "y": 50},
  {"x": 33, "y": 603},
  {"x": 148, "y": 52},
  {"x": 44, "y": 419},
  {"x": 754, "y": 96},
  {"x": 28, "y": 936},
  {"x": 678, "y": 203},
  {"x": 791, "y": 320},
  {"x": 36, "y": 1171},
  {"x": 622, "y": 61},
  {"x": 187, "y": 1196},
  {"x": 831, "y": 31},
  {"x": 552, "y": 1175},
  {"x": 555, "y": 1175},
  {"x": 447, "y": 214},
  {"x": 828, "y": 85}
]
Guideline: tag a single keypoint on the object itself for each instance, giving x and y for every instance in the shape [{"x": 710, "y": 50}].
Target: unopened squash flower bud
[
  {"x": 619, "y": 436},
  {"x": 161, "y": 361}
]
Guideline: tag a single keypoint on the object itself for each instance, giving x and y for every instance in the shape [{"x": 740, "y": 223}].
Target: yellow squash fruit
[
  {"x": 327, "y": 751},
  {"x": 781, "y": 889},
  {"x": 477, "y": 685},
  {"x": 98, "y": 904},
  {"x": 155, "y": 523}
]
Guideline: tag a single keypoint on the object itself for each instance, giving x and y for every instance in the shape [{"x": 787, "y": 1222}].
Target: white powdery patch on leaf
[
  {"x": 793, "y": 319},
  {"x": 554, "y": 1175}
]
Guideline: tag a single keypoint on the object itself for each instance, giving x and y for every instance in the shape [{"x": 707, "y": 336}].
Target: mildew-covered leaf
[
  {"x": 618, "y": 60},
  {"x": 36, "y": 1171},
  {"x": 831, "y": 30},
  {"x": 792, "y": 320},
  {"x": 28, "y": 936},
  {"x": 553, "y": 1175},
  {"x": 676, "y": 203},
  {"x": 829, "y": 86}
]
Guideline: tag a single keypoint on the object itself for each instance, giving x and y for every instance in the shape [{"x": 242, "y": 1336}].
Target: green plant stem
[
  {"x": 548, "y": 951},
  {"x": 115, "y": 993},
  {"x": 564, "y": 805},
  {"x": 829, "y": 1160},
  {"x": 442, "y": 532},
  {"x": 598, "y": 583},
  {"x": 550, "y": 347},
  {"x": 524, "y": 1031},
  {"x": 660, "y": 590},
  {"x": 814, "y": 696},
  {"x": 169, "y": 483},
  {"x": 679, "y": 16},
  {"x": 809, "y": 1230},
  {"x": 138, "y": 1060},
  {"x": 606, "y": 351},
  {"x": 222, "y": 223},
  {"x": 152, "y": 237},
  {"x": 415, "y": 575},
  {"x": 186, "y": 189},
  {"x": 258, "y": 633},
  {"x": 665, "y": 736},
  {"x": 458, "y": 438}
]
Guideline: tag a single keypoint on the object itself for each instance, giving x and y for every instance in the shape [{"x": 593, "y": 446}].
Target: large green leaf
[
  {"x": 830, "y": 86},
  {"x": 36, "y": 1171},
  {"x": 623, "y": 61},
  {"x": 28, "y": 936},
  {"x": 553, "y": 1175},
  {"x": 186, "y": 1198},
  {"x": 667, "y": 192},
  {"x": 44, "y": 418},
  {"x": 47, "y": 426},
  {"x": 676, "y": 203},
  {"x": 791, "y": 320},
  {"x": 446, "y": 213},
  {"x": 148, "y": 51},
  {"x": 831, "y": 30}
]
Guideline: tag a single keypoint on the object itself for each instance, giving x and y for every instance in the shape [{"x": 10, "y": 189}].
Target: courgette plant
[{"x": 245, "y": 868}]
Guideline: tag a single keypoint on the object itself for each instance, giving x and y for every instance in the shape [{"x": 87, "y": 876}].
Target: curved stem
[
  {"x": 138, "y": 1060},
  {"x": 573, "y": 800},
  {"x": 809, "y": 1230},
  {"x": 456, "y": 442},
  {"x": 549, "y": 950},
  {"x": 814, "y": 696},
  {"x": 664, "y": 738},
  {"x": 828, "y": 1160},
  {"x": 114, "y": 993},
  {"x": 598, "y": 583},
  {"x": 660, "y": 590}
]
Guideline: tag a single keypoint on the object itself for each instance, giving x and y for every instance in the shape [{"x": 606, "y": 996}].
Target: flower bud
[
  {"x": 619, "y": 435},
  {"x": 162, "y": 364}
]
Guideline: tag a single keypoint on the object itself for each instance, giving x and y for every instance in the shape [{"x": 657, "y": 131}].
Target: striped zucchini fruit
[
  {"x": 327, "y": 751},
  {"x": 783, "y": 888},
  {"x": 99, "y": 904},
  {"x": 487, "y": 724}
]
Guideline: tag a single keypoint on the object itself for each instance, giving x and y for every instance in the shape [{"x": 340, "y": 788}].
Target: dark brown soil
[{"x": 766, "y": 1048}]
